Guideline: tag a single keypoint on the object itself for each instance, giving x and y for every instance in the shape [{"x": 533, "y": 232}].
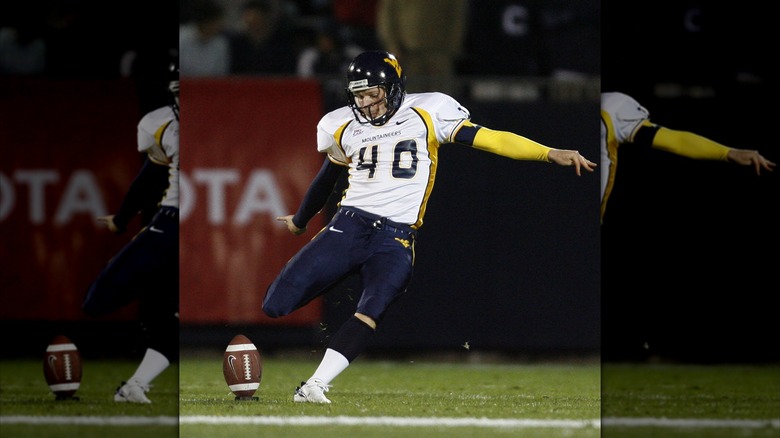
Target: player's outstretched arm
[
  {"x": 745, "y": 157},
  {"x": 565, "y": 157},
  {"x": 696, "y": 146},
  {"x": 511, "y": 145}
]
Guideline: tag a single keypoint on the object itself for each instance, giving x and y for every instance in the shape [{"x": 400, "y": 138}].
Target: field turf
[
  {"x": 28, "y": 408},
  {"x": 412, "y": 397},
  {"x": 394, "y": 398},
  {"x": 684, "y": 400}
]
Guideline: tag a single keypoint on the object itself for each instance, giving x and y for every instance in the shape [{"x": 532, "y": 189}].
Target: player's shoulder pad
[
  {"x": 333, "y": 120},
  {"x": 152, "y": 120},
  {"x": 441, "y": 106},
  {"x": 623, "y": 106}
]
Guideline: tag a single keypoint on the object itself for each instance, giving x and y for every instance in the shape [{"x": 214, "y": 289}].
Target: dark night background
[{"x": 690, "y": 248}]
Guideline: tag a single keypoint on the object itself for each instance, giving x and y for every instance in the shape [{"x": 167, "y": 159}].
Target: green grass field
[
  {"x": 24, "y": 393},
  {"x": 420, "y": 398},
  {"x": 690, "y": 400},
  {"x": 388, "y": 398}
]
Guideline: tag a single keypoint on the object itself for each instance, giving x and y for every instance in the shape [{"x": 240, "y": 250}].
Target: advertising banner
[
  {"x": 68, "y": 154},
  {"x": 248, "y": 154}
]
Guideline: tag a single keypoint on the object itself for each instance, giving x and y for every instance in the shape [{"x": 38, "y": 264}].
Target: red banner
[
  {"x": 68, "y": 154},
  {"x": 248, "y": 154}
]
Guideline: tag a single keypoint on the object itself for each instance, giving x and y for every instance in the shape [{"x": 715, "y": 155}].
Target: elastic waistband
[
  {"x": 376, "y": 221},
  {"x": 168, "y": 211}
]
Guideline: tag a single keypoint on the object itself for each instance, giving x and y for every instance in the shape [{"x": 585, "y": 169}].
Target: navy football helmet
[{"x": 376, "y": 69}]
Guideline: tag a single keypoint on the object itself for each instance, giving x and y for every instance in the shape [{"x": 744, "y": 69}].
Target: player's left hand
[
  {"x": 747, "y": 157},
  {"x": 571, "y": 158}
]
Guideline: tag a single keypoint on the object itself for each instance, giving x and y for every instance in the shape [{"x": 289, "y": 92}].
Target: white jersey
[
  {"x": 392, "y": 167},
  {"x": 621, "y": 117},
  {"x": 158, "y": 137}
]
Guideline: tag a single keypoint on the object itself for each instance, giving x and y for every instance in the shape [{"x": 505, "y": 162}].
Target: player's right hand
[
  {"x": 291, "y": 225},
  {"x": 109, "y": 221},
  {"x": 747, "y": 157},
  {"x": 571, "y": 158}
]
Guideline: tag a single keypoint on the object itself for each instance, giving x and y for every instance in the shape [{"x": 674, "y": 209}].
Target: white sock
[
  {"x": 150, "y": 367},
  {"x": 333, "y": 363}
]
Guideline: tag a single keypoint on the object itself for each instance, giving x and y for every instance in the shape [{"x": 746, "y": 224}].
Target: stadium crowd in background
[
  {"x": 203, "y": 45},
  {"x": 539, "y": 39},
  {"x": 263, "y": 42},
  {"x": 412, "y": 30},
  {"x": 73, "y": 40}
]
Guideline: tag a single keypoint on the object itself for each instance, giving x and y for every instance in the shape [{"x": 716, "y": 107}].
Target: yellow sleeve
[
  {"x": 509, "y": 145},
  {"x": 689, "y": 145}
]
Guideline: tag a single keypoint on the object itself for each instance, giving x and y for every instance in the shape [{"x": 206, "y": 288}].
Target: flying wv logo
[
  {"x": 394, "y": 62},
  {"x": 404, "y": 242}
]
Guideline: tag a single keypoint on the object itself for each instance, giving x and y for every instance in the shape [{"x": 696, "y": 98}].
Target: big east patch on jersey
[
  {"x": 62, "y": 367},
  {"x": 242, "y": 367}
]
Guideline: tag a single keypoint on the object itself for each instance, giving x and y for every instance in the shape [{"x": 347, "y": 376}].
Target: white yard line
[
  {"x": 301, "y": 421},
  {"x": 688, "y": 422},
  {"x": 89, "y": 421},
  {"x": 389, "y": 421},
  {"x": 392, "y": 421}
]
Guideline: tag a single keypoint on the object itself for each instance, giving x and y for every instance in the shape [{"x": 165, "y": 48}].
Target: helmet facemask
[
  {"x": 375, "y": 69},
  {"x": 173, "y": 87},
  {"x": 364, "y": 114}
]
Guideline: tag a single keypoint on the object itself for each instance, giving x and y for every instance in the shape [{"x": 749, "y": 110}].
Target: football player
[
  {"x": 388, "y": 142},
  {"x": 147, "y": 268},
  {"x": 624, "y": 120}
]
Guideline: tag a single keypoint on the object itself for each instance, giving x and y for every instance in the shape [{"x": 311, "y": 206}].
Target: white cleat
[
  {"x": 312, "y": 392},
  {"x": 132, "y": 392}
]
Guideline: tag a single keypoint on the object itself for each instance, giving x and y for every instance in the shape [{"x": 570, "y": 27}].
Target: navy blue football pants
[
  {"x": 147, "y": 270},
  {"x": 354, "y": 241}
]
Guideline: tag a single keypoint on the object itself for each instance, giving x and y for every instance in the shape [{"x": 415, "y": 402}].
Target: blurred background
[
  {"x": 690, "y": 248},
  {"x": 76, "y": 76},
  {"x": 497, "y": 268}
]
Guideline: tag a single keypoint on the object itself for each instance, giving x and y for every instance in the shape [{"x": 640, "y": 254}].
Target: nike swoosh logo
[
  {"x": 401, "y": 121},
  {"x": 53, "y": 359},
  {"x": 334, "y": 229},
  {"x": 155, "y": 230},
  {"x": 232, "y": 359}
]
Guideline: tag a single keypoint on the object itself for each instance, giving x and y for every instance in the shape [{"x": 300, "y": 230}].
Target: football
[
  {"x": 62, "y": 368},
  {"x": 242, "y": 367}
]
